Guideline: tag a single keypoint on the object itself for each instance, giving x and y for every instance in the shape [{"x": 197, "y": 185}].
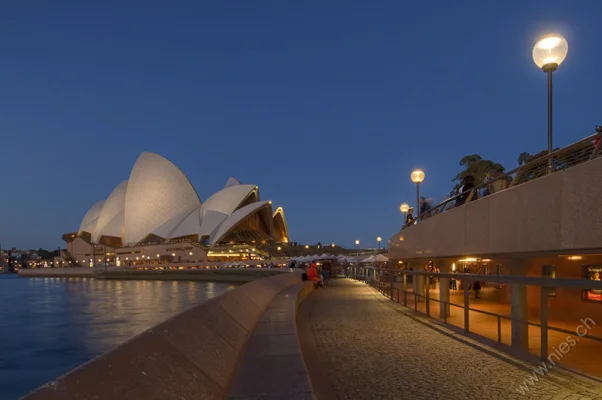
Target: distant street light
[
  {"x": 378, "y": 239},
  {"x": 357, "y": 247},
  {"x": 417, "y": 177},
  {"x": 548, "y": 53}
]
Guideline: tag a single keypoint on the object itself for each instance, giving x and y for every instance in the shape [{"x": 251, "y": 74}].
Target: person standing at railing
[
  {"x": 465, "y": 189},
  {"x": 409, "y": 220},
  {"x": 425, "y": 207}
]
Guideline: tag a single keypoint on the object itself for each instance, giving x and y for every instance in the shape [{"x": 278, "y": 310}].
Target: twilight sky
[{"x": 326, "y": 105}]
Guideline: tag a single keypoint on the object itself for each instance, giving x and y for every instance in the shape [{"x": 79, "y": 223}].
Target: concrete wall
[
  {"x": 57, "y": 272},
  {"x": 191, "y": 356},
  {"x": 560, "y": 212}
]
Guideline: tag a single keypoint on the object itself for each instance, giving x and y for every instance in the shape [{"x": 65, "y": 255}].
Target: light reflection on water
[{"x": 49, "y": 326}]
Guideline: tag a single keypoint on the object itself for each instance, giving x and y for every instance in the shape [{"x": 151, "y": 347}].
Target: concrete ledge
[
  {"x": 193, "y": 355},
  {"x": 239, "y": 275},
  {"x": 57, "y": 272},
  {"x": 273, "y": 366}
]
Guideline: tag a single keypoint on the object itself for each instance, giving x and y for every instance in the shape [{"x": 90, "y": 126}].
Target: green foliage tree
[{"x": 476, "y": 166}]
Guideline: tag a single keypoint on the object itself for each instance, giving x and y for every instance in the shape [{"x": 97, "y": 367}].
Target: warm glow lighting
[
  {"x": 332, "y": 245},
  {"x": 401, "y": 239},
  {"x": 378, "y": 239},
  {"x": 575, "y": 258},
  {"x": 357, "y": 242},
  {"x": 157, "y": 255},
  {"x": 417, "y": 176},
  {"x": 190, "y": 253},
  {"x": 307, "y": 246},
  {"x": 173, "y": 254},
  {"x": 453, "y": 266},
  {"x": 550, "y": 51},
  {"x": 404, "y": 208},
  {"x": 468, "y": 259},
  {"x": 279, "y": 248},
  {"x": 486, "y": 260}
]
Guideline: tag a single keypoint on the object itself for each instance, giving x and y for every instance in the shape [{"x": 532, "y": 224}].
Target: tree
[{"x": 477, "y": 167}]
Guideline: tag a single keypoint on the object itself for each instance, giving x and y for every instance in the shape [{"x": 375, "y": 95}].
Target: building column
[
  {"x": 444, "y": 309},
  {"x": 519, "y": 307}
]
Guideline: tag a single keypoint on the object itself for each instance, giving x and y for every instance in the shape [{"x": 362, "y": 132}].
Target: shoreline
[{"x": 233, "y": 275}]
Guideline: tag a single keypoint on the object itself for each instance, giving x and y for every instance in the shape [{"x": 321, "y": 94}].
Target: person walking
[{"x": 477, "y": 289}]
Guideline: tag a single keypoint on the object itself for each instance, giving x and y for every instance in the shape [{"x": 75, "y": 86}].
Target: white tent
[
  {"x": 368, "y": 260},
  {"x": 381, "y": 258}
]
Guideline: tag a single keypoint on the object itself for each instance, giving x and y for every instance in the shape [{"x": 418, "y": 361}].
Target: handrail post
[
  {"x": 499, "y": 329},
  {"x": 544, "y": 322},
  {"x": 427, "y": 283},
  {"x": 465, "y": 285}
]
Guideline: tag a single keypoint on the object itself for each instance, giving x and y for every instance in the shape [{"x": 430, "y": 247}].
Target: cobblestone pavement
[{"x": 371, "y": 348}]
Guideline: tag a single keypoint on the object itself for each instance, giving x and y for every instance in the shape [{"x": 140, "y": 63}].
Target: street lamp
[
  {"x": 417, "y": 177},
  {"x": 357, "y": 247},
  {"x": 404, "y": 208},
  {"x": 378, "y": 239},
  {"x": 548, "y": 53}
]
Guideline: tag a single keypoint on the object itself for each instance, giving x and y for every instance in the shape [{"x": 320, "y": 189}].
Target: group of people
[
  {"x": 495, "y": 180},
  {"x": 315, "y": 274}
]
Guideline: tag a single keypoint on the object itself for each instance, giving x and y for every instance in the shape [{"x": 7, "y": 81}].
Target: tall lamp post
[
  {"x": 378, "y": 239},
  {"x": 548, "y": 53},
  {"x": 417, "y": 177},
  {"x": 357, "y": 247},
  {"x": 404, "y": 208}
]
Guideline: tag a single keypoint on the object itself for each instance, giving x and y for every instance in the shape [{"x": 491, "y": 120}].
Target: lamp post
[
  {"x": 357, "y": 247},
  {"x": 404, "y": 208},
  {"x": 417, "y": 177},
  {"x": 378, "y": 239},
  {"x": 548, "y": 53}
]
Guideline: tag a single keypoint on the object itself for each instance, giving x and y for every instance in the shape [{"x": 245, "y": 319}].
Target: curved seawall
[{"x": 192, "y": 355}]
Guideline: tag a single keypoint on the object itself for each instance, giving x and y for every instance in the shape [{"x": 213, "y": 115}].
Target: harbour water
[{"x": 49, "y": 326}]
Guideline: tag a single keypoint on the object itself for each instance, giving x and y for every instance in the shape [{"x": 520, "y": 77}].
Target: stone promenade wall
[
  {"x": 191, "y": 356},
  {"x": 57, "y": 272}
]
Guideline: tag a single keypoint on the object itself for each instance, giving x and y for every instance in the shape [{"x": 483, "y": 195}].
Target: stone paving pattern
[{"x": 372, "y": 348}]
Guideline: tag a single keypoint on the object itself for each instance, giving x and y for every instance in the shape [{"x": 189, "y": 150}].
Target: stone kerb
[{"x": 191, "y": 356}]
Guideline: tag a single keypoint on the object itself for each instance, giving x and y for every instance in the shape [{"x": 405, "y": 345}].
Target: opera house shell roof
[{"x": 158, "y": 203}]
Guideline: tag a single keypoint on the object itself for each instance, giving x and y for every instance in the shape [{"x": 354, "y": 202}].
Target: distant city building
[{"x": 157, "y": 215}]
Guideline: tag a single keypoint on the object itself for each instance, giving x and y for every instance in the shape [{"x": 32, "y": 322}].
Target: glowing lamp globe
[
  {"x": 417, "y": 176},
  {"x": 357, "y": 242},
  {"x": 550, "y": 51},
  {"x": 378, "y": 239},
  {"x": 404, "y": 208}
]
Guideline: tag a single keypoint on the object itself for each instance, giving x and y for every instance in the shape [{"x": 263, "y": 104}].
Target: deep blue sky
[{"x": 326, "y": 105}]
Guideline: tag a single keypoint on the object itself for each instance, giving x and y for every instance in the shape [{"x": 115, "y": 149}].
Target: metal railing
[
  {"x": 370, "y": 276},
  {"x": 562, "y": 159}
]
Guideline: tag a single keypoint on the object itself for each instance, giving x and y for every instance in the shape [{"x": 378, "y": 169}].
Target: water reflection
[{"x": 50, "y": 325}]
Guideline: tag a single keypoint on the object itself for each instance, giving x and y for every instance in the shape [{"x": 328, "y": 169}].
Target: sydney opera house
[{"x": 156, "y": 216}]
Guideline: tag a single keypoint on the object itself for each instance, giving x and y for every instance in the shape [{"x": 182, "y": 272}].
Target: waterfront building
[
  {"x": 156, "y": 216},
  {"x": 546, "y": 224}
]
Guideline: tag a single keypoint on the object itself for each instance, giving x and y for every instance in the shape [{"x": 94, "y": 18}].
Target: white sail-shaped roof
[
  {"x": 232, "y": 181},
  {"x": 227, "y": 200},
  {"x": 115, "y": 227},
  {"x": 211, "y": 221},
  {"x": 235, "y": 219},
  {"x": 279, "y": 220},
  {"x": 113, "y": 206},
  {"x": 91, "y": 218},
  {"x": 157, "y": 193},
  {"x": 191, "y": 225}
]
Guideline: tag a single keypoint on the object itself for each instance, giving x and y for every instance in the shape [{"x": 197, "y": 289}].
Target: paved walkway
[{"x": 366, "y": 347}]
